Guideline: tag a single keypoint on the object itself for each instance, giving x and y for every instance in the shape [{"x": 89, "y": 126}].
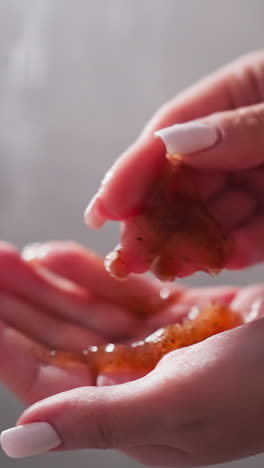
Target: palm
[
  {"x": 77, "y": 307},
  {"x": 61, "y": 297}
]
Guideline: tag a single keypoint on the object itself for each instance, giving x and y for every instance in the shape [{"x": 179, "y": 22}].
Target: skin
[
  {"x": 231, "y": 173},
  {"x": 162, "y": 418},
  {"x": 200, "y": 405}
]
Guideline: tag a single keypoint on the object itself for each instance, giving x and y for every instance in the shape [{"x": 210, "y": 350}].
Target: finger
[
  {"x": 209, "y": 183},
  {"x": 248, "y": 244},
  {"x": 21, "y": 279},
  {"x": 239, "y": 84},
  {"x": 251, "y": 179},
  {"x": 27, "y": 376},
  {"x": 211, "y": 294},
  {"x": 249, "y": 302},
  {"x": 112, "y": 417},
  {"x": 125, "y": 416},
  {"x": 233, "y": 207},
  {"x": 43, "y": 328},
  {"x": 231, "y": 140},
  {"x": 189, "y": 301},
  {"x": 58, "y": 297},
  {"x": 139, "y": 296}
]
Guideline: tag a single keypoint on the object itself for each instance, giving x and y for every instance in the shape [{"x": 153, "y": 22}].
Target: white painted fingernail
[
  {"x": 31, "y": 251},
  {"x": 29, "y": 439},
  {"x": 189, "y": 137}
]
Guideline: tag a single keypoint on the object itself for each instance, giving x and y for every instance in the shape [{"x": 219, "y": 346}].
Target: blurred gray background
[{"x": 78, "y": 80}]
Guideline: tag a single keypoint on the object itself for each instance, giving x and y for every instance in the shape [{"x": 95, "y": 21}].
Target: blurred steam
[
  {"x": 27, "y": 61},
  {"x": 25, "y": 73}
]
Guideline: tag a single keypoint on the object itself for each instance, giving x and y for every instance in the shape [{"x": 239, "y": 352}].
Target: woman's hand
[
  {"x": 60, "y": 296},
  {"x": 224, "y": 141},
  {"x": 199, "y": 405}
]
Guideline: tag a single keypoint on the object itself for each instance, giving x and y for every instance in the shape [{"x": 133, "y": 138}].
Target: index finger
[
  {"x": 140, "y": 296},
  {"x": 129, "y": 179}
]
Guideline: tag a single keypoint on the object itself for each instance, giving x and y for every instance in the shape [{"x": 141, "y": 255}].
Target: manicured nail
[
  {"x": 29, "y": 439},
  {"x": 31, "y": 251},
  {"x": 92, "y": 217},
  {"x": 189, "y": 137}
]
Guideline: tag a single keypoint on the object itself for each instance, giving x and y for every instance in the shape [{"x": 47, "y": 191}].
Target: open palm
[{"x": 59, "y": 296}]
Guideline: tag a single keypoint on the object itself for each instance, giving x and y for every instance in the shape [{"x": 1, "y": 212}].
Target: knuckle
[
  {"x": 95, "y": 425},
  {"x": 252, "y": 59},
  {"x": 253, "y": 76},
  {"x": 106, "y": 436},
  {"x": 252, "y": 118},
  {"x": 245, "y": 83}
]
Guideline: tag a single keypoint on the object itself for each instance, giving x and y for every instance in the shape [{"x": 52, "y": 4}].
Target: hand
[
  {"x": 224, "y": 141},
  {"x": 61, "y": 297},
  {"x": 200, "y": 405}
]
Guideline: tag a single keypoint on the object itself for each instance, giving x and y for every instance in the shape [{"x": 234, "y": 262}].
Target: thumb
[
  {"x": 231, "y": 140},
  {"x": 88, "y": 417}
]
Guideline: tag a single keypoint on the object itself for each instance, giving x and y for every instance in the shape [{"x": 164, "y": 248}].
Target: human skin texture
[
  {"x": 230, "y": 173},
  {"x": 201, "y": 404},
  {"x": 190, "y": 388},
  {"x": 173, "y": 234}
]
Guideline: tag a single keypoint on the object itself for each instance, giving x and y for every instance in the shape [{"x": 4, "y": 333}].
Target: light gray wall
[{"x": 78, "y": 79}]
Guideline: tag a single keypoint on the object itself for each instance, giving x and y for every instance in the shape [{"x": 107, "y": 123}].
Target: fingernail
[
  {"x": 35, "y": 251},
  {"x": 29, "y": 439},
  {"x": 92, "y": 217},
  {"x": 31, "y": 251},
  {"x": 189, "y": 137}
]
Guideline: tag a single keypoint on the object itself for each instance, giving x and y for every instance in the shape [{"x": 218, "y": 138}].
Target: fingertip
[
  {"x": 29, "y": 439},
  {"x": 92, "y": 216},
  {"x": 31, "y": 252},
  {"x": 249, "y": 302},
  {"x": 121, "y": 193}
]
